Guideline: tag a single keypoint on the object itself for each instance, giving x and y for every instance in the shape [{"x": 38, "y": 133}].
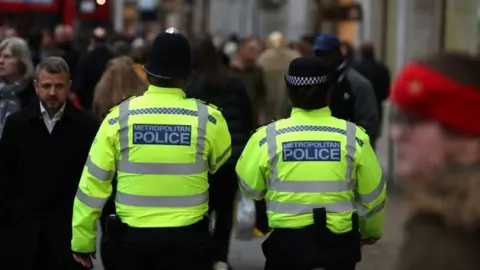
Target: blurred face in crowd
[
  {"x": 60, "y": 35},
  {"x": 52, "y": 89},
  {"x": 47, "y": 41},
  {"x": 9, "y": 65},
  {"x": 426, "y": 147},
  {"x": 10, "y": 32},
  {"x": 304, "y": 48},
  {"x": 250, "y": 50}
]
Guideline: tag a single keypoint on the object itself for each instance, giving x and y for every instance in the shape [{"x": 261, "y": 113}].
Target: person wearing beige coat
[{"x": 274, "y": 63}]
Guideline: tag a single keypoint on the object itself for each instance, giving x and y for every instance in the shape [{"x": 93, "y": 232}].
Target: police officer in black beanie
[{"x": 167, "y": 145}]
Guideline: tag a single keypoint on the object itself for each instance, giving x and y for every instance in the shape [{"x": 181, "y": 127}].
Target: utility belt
[{"x": 316, "y": 245}]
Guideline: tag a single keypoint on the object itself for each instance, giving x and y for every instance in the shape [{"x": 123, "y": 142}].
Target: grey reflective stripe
[
  {"x": 126, "y": 166},
  {"x": 276, "y": 184},
  {"x": 300, "y": 209},
  {"x": 97, "y": 172},
  {"x": 90, "y": 201},
  {"x": 161, "y": 201},
  {"x": 372, "y": 196},
  {"x": 254, "y": 193},
  {"x": 213, "y": 167},
  {"x": 314, "y": 186},
  {"x": 365, "y": 213},
  {"x": 272, "y": 152}
]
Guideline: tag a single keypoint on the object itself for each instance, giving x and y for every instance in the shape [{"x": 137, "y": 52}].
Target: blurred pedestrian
[
  {"x": 91, "y": 67},
  {"x": 245, "y": 67},
  {"x": 305, "y": 45},
  {"x": 436, "y": 131},
  {"x": 63, "y": 36},
  {"x": 353, "y": 98},
  {"x": 274, "y": 63},
  {"x": 16, "y": 72},
  {"x": 121, "y": 48},
  {"x": 43, "y": 149},
  {"x": 10, "y": 32},
  {"x": 378, "y": 75},
  {"x": 119, "y": 81},
  {"x": 213, "y": 83},
  {"x": 140, "y": 56},
  {"x": 161, "y": 145}
]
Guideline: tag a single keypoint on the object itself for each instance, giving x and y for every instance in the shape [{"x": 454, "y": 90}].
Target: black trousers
[
  {"x": 223, "y": 190},
  {"x": 181, "y": 248},
  {"x": 301, "y": 249}
]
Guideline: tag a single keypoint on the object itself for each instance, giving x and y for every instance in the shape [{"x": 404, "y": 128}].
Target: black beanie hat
[{"x": 170, "y": 56}]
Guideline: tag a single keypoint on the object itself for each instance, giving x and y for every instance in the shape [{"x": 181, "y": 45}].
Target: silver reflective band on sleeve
[
  {"x": 365, "y": 213},
  {"x": 90, "y": 201},
  {"x": 213, "y": 167},
  {"x": 97, "y": 172},
  {"x": 199, "y": 166},
  {"x": 298, "y": 186},
  {"x": 161, "y": 201},
  {"x": 372, "y": 196},
  {"x": 253, "y": 193}
]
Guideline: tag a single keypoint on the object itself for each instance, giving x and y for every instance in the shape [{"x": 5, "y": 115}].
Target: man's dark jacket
[
  {"x": 235, "y": 105},
  {"x": 39, "y": 176}
]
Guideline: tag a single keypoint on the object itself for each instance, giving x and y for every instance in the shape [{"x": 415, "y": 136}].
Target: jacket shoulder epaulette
[
  {"x": 209, "y": 104},
  {"x": 263, "y": 125},
  {"x": 118, "y": 104}
]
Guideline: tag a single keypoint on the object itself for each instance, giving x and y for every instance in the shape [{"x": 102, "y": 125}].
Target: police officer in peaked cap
[
  {"x": 319, "y": 175},
  {"x": 161, "y": 146}
]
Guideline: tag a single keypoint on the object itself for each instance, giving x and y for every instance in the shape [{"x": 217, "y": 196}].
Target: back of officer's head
[
  {"x": 309, "y": 83},
  {"x": 169, "y": 62}
]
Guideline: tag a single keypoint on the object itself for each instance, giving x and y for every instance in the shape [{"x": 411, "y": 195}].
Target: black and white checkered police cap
[{"x": 308, "y": 71}]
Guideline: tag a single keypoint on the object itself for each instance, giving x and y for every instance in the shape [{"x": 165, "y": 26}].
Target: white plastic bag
[{"x": 245, "y": 217}]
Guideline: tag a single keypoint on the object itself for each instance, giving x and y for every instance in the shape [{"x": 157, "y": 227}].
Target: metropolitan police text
[
  {"x": 312, "y": 151},
  {"x": 162, "y": 134}
]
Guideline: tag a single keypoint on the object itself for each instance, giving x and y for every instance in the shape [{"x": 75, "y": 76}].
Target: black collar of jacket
[{"x": 69, "y": 113}]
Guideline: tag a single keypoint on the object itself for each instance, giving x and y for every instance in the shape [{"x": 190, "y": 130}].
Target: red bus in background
[{"x": 27, "y": 14}]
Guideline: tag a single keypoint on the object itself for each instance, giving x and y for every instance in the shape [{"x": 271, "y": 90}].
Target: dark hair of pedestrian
[
  {"x": 310, "y": 39},
  {"x": 460, "y": 67},
  {"x": 52, "y": 65},
  {"x": 207, "y": 62},
  {"x": 310, "y": 97},
  {"x": 367, "y": 50}
]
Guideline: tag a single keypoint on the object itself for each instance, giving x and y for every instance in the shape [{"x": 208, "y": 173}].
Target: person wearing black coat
[
  {"x": 42, "y": 155},
  {"x": 213, "y": 84}
]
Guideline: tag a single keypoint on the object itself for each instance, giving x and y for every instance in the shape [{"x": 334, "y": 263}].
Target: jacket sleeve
[
  {"x": 94, "y": 188},
  {"x": 250, "y": 171},
  {"x": 8, "y": 157},
  {"x": 370, "y": 192},
  {"x": 366, "y": 112},
  {"x": 221, "y": 143}
]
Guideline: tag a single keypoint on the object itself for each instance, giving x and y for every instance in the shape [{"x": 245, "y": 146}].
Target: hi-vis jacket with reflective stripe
[
  {"x": 162, "y": 146},
  {"x": 313, "y": 160}
]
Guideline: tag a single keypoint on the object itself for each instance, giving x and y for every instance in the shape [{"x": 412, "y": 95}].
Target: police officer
[
  {"x": 320, "y": 177},
  {"x": 161, "y": 145}
]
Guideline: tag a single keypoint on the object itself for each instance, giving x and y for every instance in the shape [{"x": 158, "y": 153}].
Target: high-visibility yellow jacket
[
  {"x": 162, "y": 146},
  {"x": 313, "y": 160}
]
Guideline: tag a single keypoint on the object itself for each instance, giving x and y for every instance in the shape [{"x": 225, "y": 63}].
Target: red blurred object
[
  {"x": 425, "y": 92},
  {"x": 21, "y": 6},
  {"x": 99, "y": 12},
  {"x": 75, "y": 101}
]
